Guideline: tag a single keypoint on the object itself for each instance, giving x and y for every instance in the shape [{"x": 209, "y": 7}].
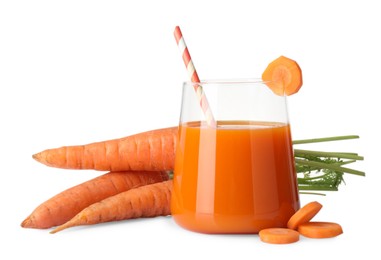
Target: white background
[{"x": 75, "y": 72}]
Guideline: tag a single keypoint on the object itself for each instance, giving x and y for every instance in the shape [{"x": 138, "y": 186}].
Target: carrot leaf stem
[
  {"x": 321, "y": 170},
  {"x": 325, "y": 139},
  {"x": 328, "y": 154},
  {"x": 329, "y": 166}
]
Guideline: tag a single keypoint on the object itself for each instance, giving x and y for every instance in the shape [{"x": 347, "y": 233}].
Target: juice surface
[{"x": 236, "y": 178}]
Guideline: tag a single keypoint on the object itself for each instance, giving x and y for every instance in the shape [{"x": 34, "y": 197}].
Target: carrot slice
[
  {"x": 320, "y": 229},
  {"x": 304, "y": 214},
  {"x": 278, "y": 235},
  {"x": 283, "y": 76}
]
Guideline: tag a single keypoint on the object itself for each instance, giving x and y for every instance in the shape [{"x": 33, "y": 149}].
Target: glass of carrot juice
[{"x": 236, "y": 173}]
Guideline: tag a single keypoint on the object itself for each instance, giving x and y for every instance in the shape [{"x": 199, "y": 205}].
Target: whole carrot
[
  {"x": 65, "y": 205},
  {"x": 145, "y": 201},
  {"x": 148, "y": 151}
]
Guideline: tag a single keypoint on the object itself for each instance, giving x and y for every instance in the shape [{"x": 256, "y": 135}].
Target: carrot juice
[{"x": 238, "y": 177}]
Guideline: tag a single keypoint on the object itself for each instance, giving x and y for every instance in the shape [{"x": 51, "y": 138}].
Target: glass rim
[{"x": 228, "y": 81}]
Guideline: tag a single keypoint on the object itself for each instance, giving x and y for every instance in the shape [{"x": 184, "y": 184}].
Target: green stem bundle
[{"x": 323, "y": 171}]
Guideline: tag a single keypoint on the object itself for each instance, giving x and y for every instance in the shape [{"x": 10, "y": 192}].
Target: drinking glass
[{"x": 235, "y": 174}]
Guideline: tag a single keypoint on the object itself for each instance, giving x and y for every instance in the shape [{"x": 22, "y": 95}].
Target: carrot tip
[
  {"x": 59, "y": 228},
  {"x": 54, "y": 231},
  {"x": 27, "y": 223},
  {"x": 36, "y": 156}
]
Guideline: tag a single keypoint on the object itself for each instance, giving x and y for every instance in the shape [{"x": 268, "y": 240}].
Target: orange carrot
[
  {"x": 278, "y": 235},
  {"x": 65, "y": 205},
  {"x": 148, "y": 151},
  {"x": 145, "y": 201},
  {"x": 284, "y": 76},
  {"x": 320, "y": 229},
  {"x": 304, "y": 214}
]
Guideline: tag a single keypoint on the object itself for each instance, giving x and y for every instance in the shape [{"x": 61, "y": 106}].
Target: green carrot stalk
[
  {"x": 325, "y": 139},
  {"x": 329, "y": 154},
  {"x": 329, "y": 166},
  {"x": 320, "y": 170}
]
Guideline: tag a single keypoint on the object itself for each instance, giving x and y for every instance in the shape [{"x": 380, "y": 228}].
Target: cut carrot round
[
  {"x": 278, "y": 235},
  {"x": 304, "y": 214},
  {"x": 320, "y": 229},
  {"x": 283, "y": 76}
]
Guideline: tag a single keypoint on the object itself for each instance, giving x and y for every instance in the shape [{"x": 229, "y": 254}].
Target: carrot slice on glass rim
[{"x": 283, "y": 76}]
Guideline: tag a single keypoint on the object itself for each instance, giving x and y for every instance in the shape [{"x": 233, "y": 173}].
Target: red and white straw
[{"x": 194, "y": 77}]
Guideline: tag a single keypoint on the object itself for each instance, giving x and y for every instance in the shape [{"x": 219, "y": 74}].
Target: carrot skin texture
[
  {"x": 146, "y": 201},
  {"x": 65, "y": 205},
  {"x": 147, "y": 151}
]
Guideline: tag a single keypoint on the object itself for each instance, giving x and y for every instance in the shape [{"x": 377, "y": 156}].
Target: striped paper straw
[{"x": 194, "y": 77}]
